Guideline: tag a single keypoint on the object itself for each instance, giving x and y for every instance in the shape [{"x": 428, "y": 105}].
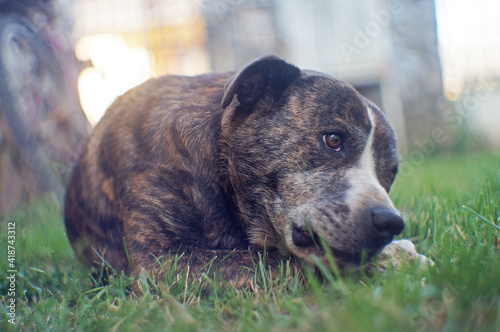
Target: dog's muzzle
[{"x": 380, "y": 225}]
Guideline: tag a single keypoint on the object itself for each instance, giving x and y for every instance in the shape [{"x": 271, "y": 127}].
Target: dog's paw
[{"x": 398, "y": 252}]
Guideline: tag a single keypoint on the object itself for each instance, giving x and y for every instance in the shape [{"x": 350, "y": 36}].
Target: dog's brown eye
[{"x": 333, "y": 141}]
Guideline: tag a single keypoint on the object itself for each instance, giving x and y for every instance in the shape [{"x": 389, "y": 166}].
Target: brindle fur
[{"x": 224, "y": 164}]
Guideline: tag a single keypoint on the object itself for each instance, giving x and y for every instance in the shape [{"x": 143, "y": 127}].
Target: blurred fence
[{"x": 41, "y": 122}]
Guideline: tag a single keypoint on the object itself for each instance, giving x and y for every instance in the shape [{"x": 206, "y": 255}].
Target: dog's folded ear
[{"x": 268, "y": 74}]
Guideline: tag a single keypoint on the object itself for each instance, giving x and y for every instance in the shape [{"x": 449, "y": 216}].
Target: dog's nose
[{"x": 387, "y": 222}]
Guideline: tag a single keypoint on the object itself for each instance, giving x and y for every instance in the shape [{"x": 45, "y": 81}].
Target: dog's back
[{"x": 167, "y": 125}]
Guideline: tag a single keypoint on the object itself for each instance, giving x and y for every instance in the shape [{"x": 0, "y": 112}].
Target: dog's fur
[{"x": 224, "y": 164}]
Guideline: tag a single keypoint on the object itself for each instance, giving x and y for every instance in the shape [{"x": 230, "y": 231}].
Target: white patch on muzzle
[{"x": 365, "y": 189}]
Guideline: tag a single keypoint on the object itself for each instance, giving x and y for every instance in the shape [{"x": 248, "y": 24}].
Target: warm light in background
[
  {"x": 116, "y": 68},
  {"x": 127, "y": 42},
  {"x": 469, "y": 42}
]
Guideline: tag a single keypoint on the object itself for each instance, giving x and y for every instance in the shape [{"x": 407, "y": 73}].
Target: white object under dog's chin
[{"x": 400, "y": 251}]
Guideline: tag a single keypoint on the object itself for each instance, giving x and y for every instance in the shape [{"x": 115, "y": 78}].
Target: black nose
[{"x": 387, "y": 222}]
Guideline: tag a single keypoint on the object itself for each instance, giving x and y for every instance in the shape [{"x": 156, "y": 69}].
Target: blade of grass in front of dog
[
  {"x": 224, "y": 258},
  {"x": 38, "y": 270},
  {"x": 326, "y": 249},
  {"x": 481, "y": 217},
  {"x": 180, "y": 309},
  {"x": 104, "y": 264},
  {"x": 311, "y": 233},
  {"x": 143, "y": 282},
  {"x": 100, "y": 293},
  {"x": 330, "y": 257},
  {"x": 325, "y": 271},
  {"x": 262, "y": 271},
  {"x": 209, "y": 266},
  {"x": 313, "y": 281},
  {"x": 212, "y": 283},
  {"x": 132, "y": 267},
  {"x": 159, "y": 263},
  {"x": 150, "y": 280},
  {"x": 93, "y": 290}
]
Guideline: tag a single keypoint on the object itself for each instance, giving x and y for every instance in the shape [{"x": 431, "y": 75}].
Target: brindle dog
[{"x": 270, "y": 157}]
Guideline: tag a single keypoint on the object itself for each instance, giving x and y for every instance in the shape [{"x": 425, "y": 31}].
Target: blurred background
[{"x": 432, "y": 66}]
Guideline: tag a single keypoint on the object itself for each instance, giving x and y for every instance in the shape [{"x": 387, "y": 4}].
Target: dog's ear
[{"x": 268, "y": 74}]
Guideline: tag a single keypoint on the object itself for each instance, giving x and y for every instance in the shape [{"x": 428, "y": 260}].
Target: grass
[{"x": 451, "y": 204}]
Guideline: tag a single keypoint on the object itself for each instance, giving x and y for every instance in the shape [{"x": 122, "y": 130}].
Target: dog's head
[{"x": 307, "y": 157}]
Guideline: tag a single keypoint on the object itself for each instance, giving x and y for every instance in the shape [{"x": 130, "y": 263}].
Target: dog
[{"x": 221, "y": 167}]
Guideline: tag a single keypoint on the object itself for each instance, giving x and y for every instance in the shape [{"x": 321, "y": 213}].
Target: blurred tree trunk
[{"x": 418, "y": 74}]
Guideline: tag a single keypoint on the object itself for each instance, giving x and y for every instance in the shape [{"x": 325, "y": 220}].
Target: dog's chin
[
  {"x": 305, "y": 246},
  {"x": 342, "y": 259}
]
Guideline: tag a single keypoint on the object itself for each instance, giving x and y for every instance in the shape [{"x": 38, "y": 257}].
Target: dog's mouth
[
  {"x": 303, "y": 237},
  {"x": 307, "y": 239}
]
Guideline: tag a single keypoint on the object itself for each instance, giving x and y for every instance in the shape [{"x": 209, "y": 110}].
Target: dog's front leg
[{"x": 234, "y": 267}]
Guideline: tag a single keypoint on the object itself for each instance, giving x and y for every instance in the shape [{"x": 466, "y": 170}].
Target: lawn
[{"x": 452, "y": 207}]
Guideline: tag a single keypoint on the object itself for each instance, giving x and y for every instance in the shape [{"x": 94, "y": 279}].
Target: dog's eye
[
  {"x": 392, "y": 176},
  {"x": 389, "y": 179},
  {"x": 333, "y": 141}
]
